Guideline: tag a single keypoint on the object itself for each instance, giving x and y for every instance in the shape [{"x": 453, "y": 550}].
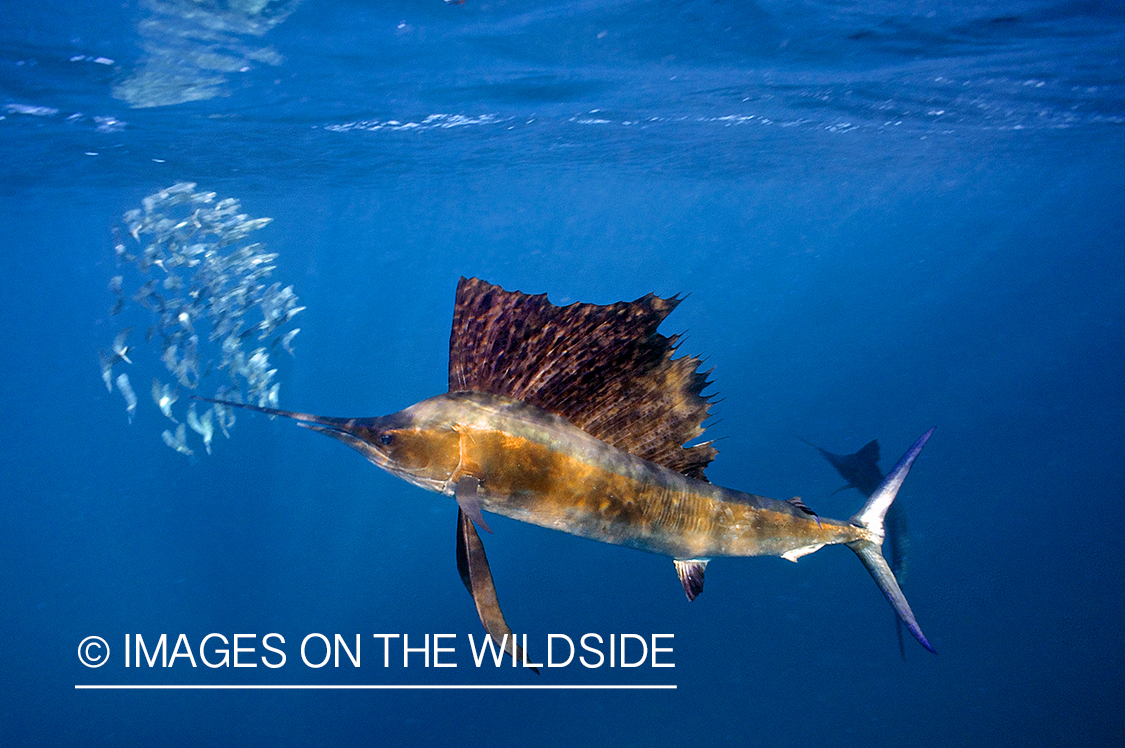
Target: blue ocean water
[{"x": 884, "y": 216}]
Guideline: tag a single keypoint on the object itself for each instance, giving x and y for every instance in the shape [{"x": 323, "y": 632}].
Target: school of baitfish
[{"x": 212, "y": 312}]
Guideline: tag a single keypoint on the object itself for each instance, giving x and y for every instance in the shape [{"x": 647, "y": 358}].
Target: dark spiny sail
[{"x": 604, "y": 368}]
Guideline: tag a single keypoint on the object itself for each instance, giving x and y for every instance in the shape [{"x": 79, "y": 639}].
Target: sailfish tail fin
[{"x": 870, "y": 552}]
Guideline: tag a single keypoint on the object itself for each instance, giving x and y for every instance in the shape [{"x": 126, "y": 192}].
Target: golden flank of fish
[{"x": 575, "y": 418}]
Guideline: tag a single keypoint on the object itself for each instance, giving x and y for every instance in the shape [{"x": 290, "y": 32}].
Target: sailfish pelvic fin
[{"x": 475, "y": 573}]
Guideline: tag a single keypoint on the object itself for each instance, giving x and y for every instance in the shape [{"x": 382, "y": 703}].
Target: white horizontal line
[{"x": 376, "y": 687}]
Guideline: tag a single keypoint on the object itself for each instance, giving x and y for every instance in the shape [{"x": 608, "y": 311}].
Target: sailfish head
[{"x": 416, "y": 444}]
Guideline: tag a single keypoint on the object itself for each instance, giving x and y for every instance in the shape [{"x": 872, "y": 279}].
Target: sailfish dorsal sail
[{"x": 604, "y": 368}]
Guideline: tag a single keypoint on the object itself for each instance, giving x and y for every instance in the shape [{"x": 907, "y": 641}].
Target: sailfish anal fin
[
  {"x": 472, "y": 563},
  {"x": 690, "y": 571},
  {"x": 604, "y": 368}
]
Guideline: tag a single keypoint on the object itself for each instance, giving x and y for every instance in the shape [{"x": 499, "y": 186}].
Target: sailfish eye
[{"x": 386, "y": 439}]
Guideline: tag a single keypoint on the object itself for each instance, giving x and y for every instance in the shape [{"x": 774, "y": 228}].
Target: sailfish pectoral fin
[
  {"x": 467, "y": 499},
  {"x": 473, "y": 566}
]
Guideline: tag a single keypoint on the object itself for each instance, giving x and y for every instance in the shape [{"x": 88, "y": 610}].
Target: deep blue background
[{"x": 887, "y": 217}]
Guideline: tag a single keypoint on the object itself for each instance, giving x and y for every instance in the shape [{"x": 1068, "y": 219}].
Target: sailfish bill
[{"x": 576, "y": 419}]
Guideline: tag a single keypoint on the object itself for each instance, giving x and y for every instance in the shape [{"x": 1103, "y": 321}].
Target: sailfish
[{"x": 578, "y": 418}]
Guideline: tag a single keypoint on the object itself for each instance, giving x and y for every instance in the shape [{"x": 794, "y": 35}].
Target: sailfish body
[
  {"x": 575, "y": 418},
  {"x": 537, "y": 467}
]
